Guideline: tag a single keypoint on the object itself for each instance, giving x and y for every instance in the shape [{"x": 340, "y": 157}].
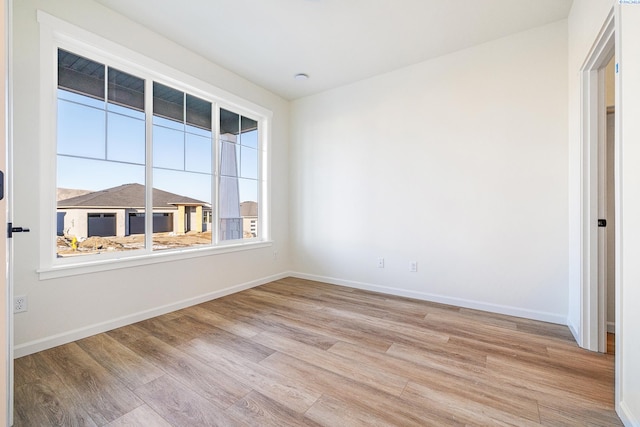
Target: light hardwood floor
[{"x": 296, "y": 352}]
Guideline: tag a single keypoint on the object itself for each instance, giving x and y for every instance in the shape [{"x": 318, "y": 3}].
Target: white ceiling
[{"x": 335, "y": 42}]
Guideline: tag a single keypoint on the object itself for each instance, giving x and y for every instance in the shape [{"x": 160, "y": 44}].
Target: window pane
[
  {"x": 95, "y": 198},
  {"x": 239, "y": 173},
  {"x": 229, "y": 199},
  {"x": 249, "y": 138},
  {"x": 248, "y": 163},
  {"x": 249, "y": 207},
  {"x": 198, "y": 153},
  {"x": 125, "y": 139},
  {"x": 81, "y": 130},
  {"x": 168, "y": 102},
  {"x": 198, "y": 112},
  {"x": 228, "y": 159},
  {"x": 95, "y": 175},
  {"x": 168, "y": 148},
  {"x": 249, "y": 214},
  {"x": 171, "y": 124},
  {"x": 229, "y": 122},
  {"x": 125, "y": 111},
  {"x": 248, "y": 189},
  {"x": 126, "y": 90},
  {"x": 185, "y": 197},
  {"x": 80, "y": 75},
  {"x": 80, "y": 99}
]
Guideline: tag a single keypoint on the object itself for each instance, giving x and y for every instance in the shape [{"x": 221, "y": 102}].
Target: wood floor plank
[
  {"x": 330, "y": 411},
  {"x": 250, "y": 349},
  {"x": 54, "y": 402},
  {"x": 274, "y": 322},
  {"x": 98, "y": 392},
  {"x": 291, "y": 394},
  {"x": 561, "y": 415},
  {"x": 382, "y": 326},
  {"x": 228, "y": 323},
  {"x": 388, "y": 382},
  {"x": 131, "y": 369},
  {"x": 32, "y": 368},
  {"x": 280, "y": 324},
  {"x": 141, "y": 416},
  {"x": 461, "y": 409},
  {"x": 598, "y": 366},
  {"x": 300, "y": 352},
  {"x": 551, "y": 378},
  {"x": 483, "y": 334},
  {"x": 181, "y": 406},
  {"x": 175, "y": 330},
  {"x": 207, "y": 380},
  {"x": 323, "y": 323},
  {"x": 471, "y": 390},
  {"x": 258, "y": 410},
  {"x": 351, "y": 395}
]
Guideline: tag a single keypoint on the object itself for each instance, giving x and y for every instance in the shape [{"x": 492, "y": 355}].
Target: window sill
[{"x": 96, "y": 266}]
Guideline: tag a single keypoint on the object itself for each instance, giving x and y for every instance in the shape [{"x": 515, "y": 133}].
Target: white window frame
[{"x": 56, "y": 33}]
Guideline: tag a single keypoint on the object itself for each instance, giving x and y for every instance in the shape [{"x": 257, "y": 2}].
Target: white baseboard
[
  {"x": 574, "y": 331},
  {"x": 87, "y": 331},
  {"x": 627, "y": 418},
  {"x": 459, "y": 302}
]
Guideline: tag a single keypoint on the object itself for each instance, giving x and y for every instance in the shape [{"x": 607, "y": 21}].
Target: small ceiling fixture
[{"x": 301, "y": 76}]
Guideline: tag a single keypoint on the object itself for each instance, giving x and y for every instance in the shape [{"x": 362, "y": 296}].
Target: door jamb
[{"x": 593, "y": 133}]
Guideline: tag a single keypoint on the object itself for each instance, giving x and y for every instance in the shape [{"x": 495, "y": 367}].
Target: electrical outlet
[
  {"x": 20, "y": 304},
  {"x": 413, "y": 267},
  {"x": 380, "y": 262}
]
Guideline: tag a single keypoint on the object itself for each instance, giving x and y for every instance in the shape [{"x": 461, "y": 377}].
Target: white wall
[
  {"x": 64, "y": 309},
  {"x": 458, "y": 163},
  {"x": 628, "y": 320}
]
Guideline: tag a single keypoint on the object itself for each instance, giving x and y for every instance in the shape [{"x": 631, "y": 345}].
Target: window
[
  {"x": 182, "y": 164},
  {"x": 128, "y": 143},
  {"x": 239, "y": 183},
  {"x": 100, "y": 150}
]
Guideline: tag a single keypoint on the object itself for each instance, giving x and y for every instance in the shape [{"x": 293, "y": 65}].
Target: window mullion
[
  {"x": 184, "y": 134},
  {"x": 261, "y": 220},
  {"x": 215, "y": 209},
  {"x": 148, "y": 216},
  {"x": 106, "y": 112}
]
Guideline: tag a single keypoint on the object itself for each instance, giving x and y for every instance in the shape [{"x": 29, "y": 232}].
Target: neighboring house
[
  {"x": 120, "y": 211},
  {"x": 249, "y": 214}
]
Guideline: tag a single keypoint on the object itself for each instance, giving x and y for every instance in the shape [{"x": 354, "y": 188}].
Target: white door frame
[
  {"x": 6, "y": 310},
  {"x": 593, "y": 322}
]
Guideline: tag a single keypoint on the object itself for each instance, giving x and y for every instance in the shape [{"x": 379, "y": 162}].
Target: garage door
[
  {"x": 102, "y": 224},
  {"x": 162, "y": 223}
]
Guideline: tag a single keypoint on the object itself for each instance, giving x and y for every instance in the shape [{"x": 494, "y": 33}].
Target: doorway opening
[
  {"x": 598, "y": 191},
  {"x": 607, "y": 208}
]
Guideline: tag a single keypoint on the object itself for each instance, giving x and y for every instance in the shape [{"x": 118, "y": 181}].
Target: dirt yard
[{"x": 111, "y": 244}]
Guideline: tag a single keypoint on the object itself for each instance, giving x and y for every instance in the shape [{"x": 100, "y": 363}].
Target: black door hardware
[{"x": 11, "y": 229}]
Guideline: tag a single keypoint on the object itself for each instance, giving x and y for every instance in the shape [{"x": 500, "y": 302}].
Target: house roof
[
  {"x": 248, "y": 209},
  {"x": 127, "y": 196},
  {"x": 67, "y": 193}
]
